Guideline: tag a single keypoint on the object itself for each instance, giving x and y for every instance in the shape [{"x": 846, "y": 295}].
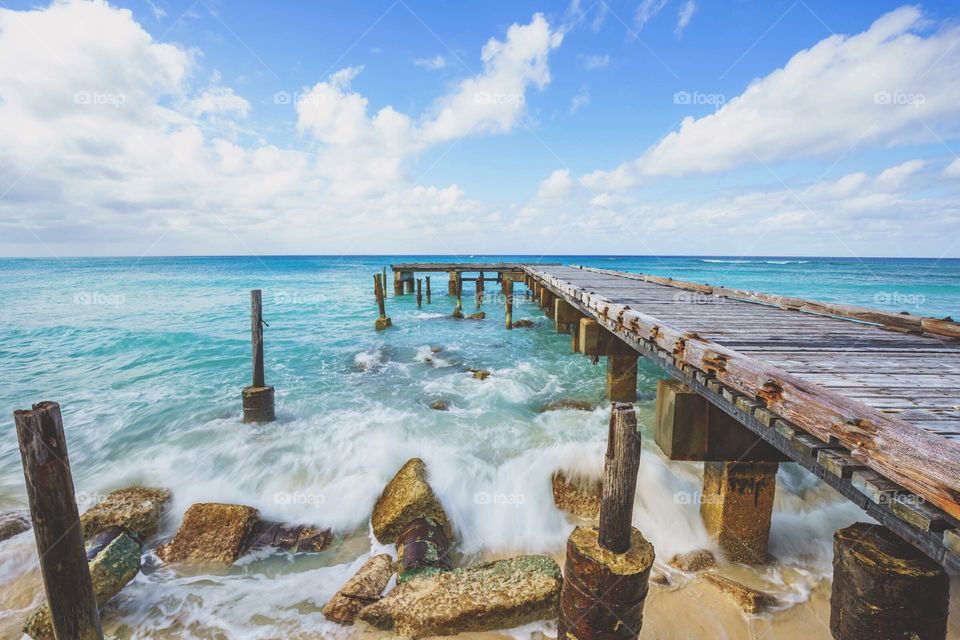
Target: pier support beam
[
  {"x": 458, "y": 290},
  {"x": 689, "y": 427},
  {"x": 408, "y": 281},
  {"x": 419, "y": 293},
  {"x": 258, "y": 397},
  {"x": 428, "y": 289},
  {"x": 566, "y": 316},
  {"x": 736, "y": 505},
  {"x": 397, "y": 283},
  {"x": 884, "y": 588},
  {"x": 622, "y": 378},
  {"x": 452, "y": 284},
  {"x": 608, "y": 568}
]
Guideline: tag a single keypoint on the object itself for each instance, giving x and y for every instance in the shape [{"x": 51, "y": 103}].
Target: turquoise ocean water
[{"x": 148, "y": 356}]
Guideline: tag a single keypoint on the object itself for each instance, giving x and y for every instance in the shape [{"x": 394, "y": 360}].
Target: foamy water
[{"x": 147, "y": 359}]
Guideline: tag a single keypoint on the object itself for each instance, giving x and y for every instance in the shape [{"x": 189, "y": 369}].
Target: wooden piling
[
  {"x": 419, "y": 293},
  {"x": 508, "y": 301},
  {"x": 883, "y": 588},
  {"x": 382, "y": 321},
  {"x": 383, "y": 282},
  {"x": 619, "y": 478},
  {"x": 608, "y": 568},
  {"x": 428, "y": 289},
  {"x": 458, "y": 290},
  {"x": 258, "y": 397},
  {"x": 56, "y": 523}
]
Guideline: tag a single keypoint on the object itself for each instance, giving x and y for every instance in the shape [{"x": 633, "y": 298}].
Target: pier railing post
[
  {"x": 508, "y": 300},
  {"x": 56, "y": 523},
  {"x": 608, "y": 568},
  {"x": 258, "y": 397}
]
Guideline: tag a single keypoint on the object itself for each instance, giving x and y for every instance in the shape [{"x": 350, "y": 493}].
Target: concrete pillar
[
  {"x": 408, "y": 281},
  {"x": 622, "y": 378},
  {"x": 397, "y": 283},
  {"x": 452, "y": 284},
  {"x": 885, "y": 588},
  {"x": 736, "y": 504}
]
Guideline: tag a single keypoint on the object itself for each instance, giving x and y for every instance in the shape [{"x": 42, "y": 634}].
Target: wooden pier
[{"x": 867, "y": 400}]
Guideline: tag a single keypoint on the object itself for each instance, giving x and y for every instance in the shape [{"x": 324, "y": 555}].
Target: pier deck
[{"x": 873, "y": 409}]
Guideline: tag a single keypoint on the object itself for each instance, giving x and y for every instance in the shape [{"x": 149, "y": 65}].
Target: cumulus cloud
[
  {"x": 107, "y": 143},
  {"x": 894, "y": 83}
]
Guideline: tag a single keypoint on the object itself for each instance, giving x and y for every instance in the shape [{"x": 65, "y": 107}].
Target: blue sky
[{"x": 151, "y": 128}]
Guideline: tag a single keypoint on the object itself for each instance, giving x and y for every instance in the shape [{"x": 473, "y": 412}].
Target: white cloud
[
  {"x": 581, "y": 99},
  {"x": 684, "y": 15},
  {"x": 953, "y": 169},
  {"x": 647, "y": 10},
  {"x": 594, "y": 61},
  {"x": 895, "y": 83},
  {"x": 434, "y": 63},
  {"x": 493, "y": 100},
  {"x": 218, "y": 100},
  {"x": 109, "y": 146}
]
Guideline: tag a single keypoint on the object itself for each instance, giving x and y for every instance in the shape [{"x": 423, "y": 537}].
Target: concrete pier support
[
  {"x": 397, "y": 283},
  {"x": 408, "y": 281},
  {"x": 622, "y": 378},
  {"x": 452, "y": 284},
  {"x": 884, "y": 588},
  {"x": 736, "y": 505}
]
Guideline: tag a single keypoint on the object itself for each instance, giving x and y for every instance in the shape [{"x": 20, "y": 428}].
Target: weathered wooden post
[
  {"x": 458, "y": 289},
  {"x": 419, "y": 293},
  {"x": 428, "y": 289},
  {"x": 383, "y": 282},
  {"x": 508, "y": 300},
  {"x": 885, "y": 588},
  {"x": 382, "y": 321},
  {"x": 608, "y": 568},
  {"x": 479, "y": 290},
  {"x": 56, "y": 523},
  {"x": 258, "y": 397}
]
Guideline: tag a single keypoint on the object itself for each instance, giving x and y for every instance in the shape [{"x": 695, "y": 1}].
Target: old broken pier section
[{"x": 868, "y": 401}]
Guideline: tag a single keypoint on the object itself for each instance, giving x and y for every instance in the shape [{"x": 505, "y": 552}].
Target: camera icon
[
  {"x": 482, "y": 97},
  {"x": 882, "y": 97},
  {"x": 82, "y": 97},
  {"x": 282, "y": 97},
  {"x": 482, "y": 497},
  {"x": 682, "y": 97}
]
